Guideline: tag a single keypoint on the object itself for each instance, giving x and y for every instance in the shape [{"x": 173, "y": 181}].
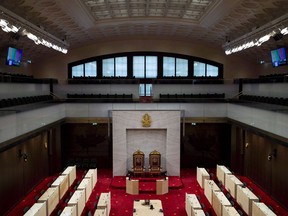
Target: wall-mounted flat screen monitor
[
  {"x": 14, "y": 56},
  {"x": 279, "y": 57}
]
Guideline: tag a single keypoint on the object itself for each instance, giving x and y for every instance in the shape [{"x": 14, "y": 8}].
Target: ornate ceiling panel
[{"x": 81, "y": 22}]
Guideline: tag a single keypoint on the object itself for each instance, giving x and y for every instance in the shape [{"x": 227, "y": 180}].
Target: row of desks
[
  {"x": 247, "y": 200},
  {"x": 193, "y": 206},
  {"x": 83, "y": 192},
  {"x": 104, "y": 205},
  {"x": 51, "y": 197}
]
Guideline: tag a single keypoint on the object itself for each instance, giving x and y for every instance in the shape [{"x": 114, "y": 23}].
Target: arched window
[{"x": 146, "y": 65}]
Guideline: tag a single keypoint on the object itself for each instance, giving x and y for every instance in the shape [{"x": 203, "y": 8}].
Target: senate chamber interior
[{"x": 122, "y": 86}]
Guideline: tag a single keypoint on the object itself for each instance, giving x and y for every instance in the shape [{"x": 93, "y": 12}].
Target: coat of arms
[{"x": 146, "y": 120}]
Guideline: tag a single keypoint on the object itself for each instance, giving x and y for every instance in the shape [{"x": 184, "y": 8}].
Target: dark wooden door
[{"x": 258, "y": 164}]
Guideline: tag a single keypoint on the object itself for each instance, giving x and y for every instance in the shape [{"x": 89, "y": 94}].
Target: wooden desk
[
  {"x": 261, "y": 209},
  {"x": 69, "y": 211},
  {"x": 38, "y": 209},
  {"x": 198, "y": 212},
  {"x": 62, "y": 183},
  {"x": 209, "y": 187},
  {"x": 71, "y": 172},
  {"x": 191, "y": 202},
  {"x": 132, "y": 186},
  {"x": 244, "y": 198},
  {"x": 162, "y": 186},
  {"x": 85, "y": 184},
  {"x": 144, "y": 210},
  {"x": 202, "y": 174},
  {"x": 100, "y": 212},
  {"x": 51, "y": 198},
  {"x": 105, "y": 202},
  {"x": 231, "y": 183},
  {"x": 218, "y": 201},
  {"x": 221, "y": 172},
  {"x": 78, "y": 200},
  {"x": 92, "y": 173},
  {"x": 229, "y": 211}
]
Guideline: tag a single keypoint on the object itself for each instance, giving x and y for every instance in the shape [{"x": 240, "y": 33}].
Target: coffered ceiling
[{"x": 81, "y": 22}]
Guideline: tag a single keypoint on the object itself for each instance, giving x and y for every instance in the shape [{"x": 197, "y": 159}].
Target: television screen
[
  {"x": 278, "y": 57},
  {"x": 14, "y": 56}
]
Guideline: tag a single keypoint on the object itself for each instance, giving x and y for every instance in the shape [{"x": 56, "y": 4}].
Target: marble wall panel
[
  {"x": 162, "y": 122},
  {"x": 146, "y": 140}
]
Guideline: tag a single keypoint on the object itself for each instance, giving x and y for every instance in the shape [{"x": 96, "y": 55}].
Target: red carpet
[{"x": 173, "y": 203}]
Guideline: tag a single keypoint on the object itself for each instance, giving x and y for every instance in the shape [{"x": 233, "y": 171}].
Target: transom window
[
  {"x": 175, "y": 67},
  {"x": 115, "y": 67},
  {"x": 145, "y": 66},
  {"x": 91, "y": 69},
  {"x": 212, "y": 71},
  {"x": 88, "y": 69},
  {"x": 150, "y": 65},
  {"x": 78, "y": 71},
  {"x": 205, "y": 70}
]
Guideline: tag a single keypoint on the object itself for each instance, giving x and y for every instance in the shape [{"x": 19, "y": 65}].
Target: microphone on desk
[{"x": 151, "y": 207}]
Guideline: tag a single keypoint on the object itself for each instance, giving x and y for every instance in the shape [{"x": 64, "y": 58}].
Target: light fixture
[
  {"x": 10, "y": 22},
  {"x": 258, "y": 36}
]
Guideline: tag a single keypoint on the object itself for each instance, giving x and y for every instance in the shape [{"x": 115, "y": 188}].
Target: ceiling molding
[
  {"x": 78, "y": 11},
  {"x": 217, "y": 11}
]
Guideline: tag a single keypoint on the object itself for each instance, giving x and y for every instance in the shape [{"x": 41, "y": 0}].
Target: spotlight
[
  {"x": 10, "y": 22},
  {"x": 259, "y": 35},
  {"x": 278, "y": 36}
]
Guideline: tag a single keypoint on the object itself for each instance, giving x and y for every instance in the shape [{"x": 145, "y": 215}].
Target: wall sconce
[
  {"x": 271, "y": 155},
  {"x": 22, "y": 155},
  {"x": 25, "y": 157}
]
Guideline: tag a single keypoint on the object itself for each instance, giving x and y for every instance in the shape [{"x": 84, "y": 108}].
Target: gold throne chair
[
  {"x": 155, "y": 162},
  {"x": 138, "y": 162}
]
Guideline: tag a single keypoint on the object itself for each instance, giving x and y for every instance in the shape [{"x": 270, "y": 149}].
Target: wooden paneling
[
  {"x": 19, "y": 176},
  {"x": 257, "y": 165},
  {"x": 279, "y": 184},
  {"x": 265, "y": 163},
  {"x": 205, "y": 145},
  {"x": 54, "y": 148},
  {"x": 237, "y": 149},
  {"x": 36, "y": 166},
  {"x": 11, "y": 179}
]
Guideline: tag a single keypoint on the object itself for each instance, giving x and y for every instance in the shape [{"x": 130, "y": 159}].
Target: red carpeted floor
[{"x": 173, "y": 203}]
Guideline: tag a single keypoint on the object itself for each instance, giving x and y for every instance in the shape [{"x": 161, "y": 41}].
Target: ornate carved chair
[
  {"x": 155, "y": 162},
  {"x": 138, "y": 162}
]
